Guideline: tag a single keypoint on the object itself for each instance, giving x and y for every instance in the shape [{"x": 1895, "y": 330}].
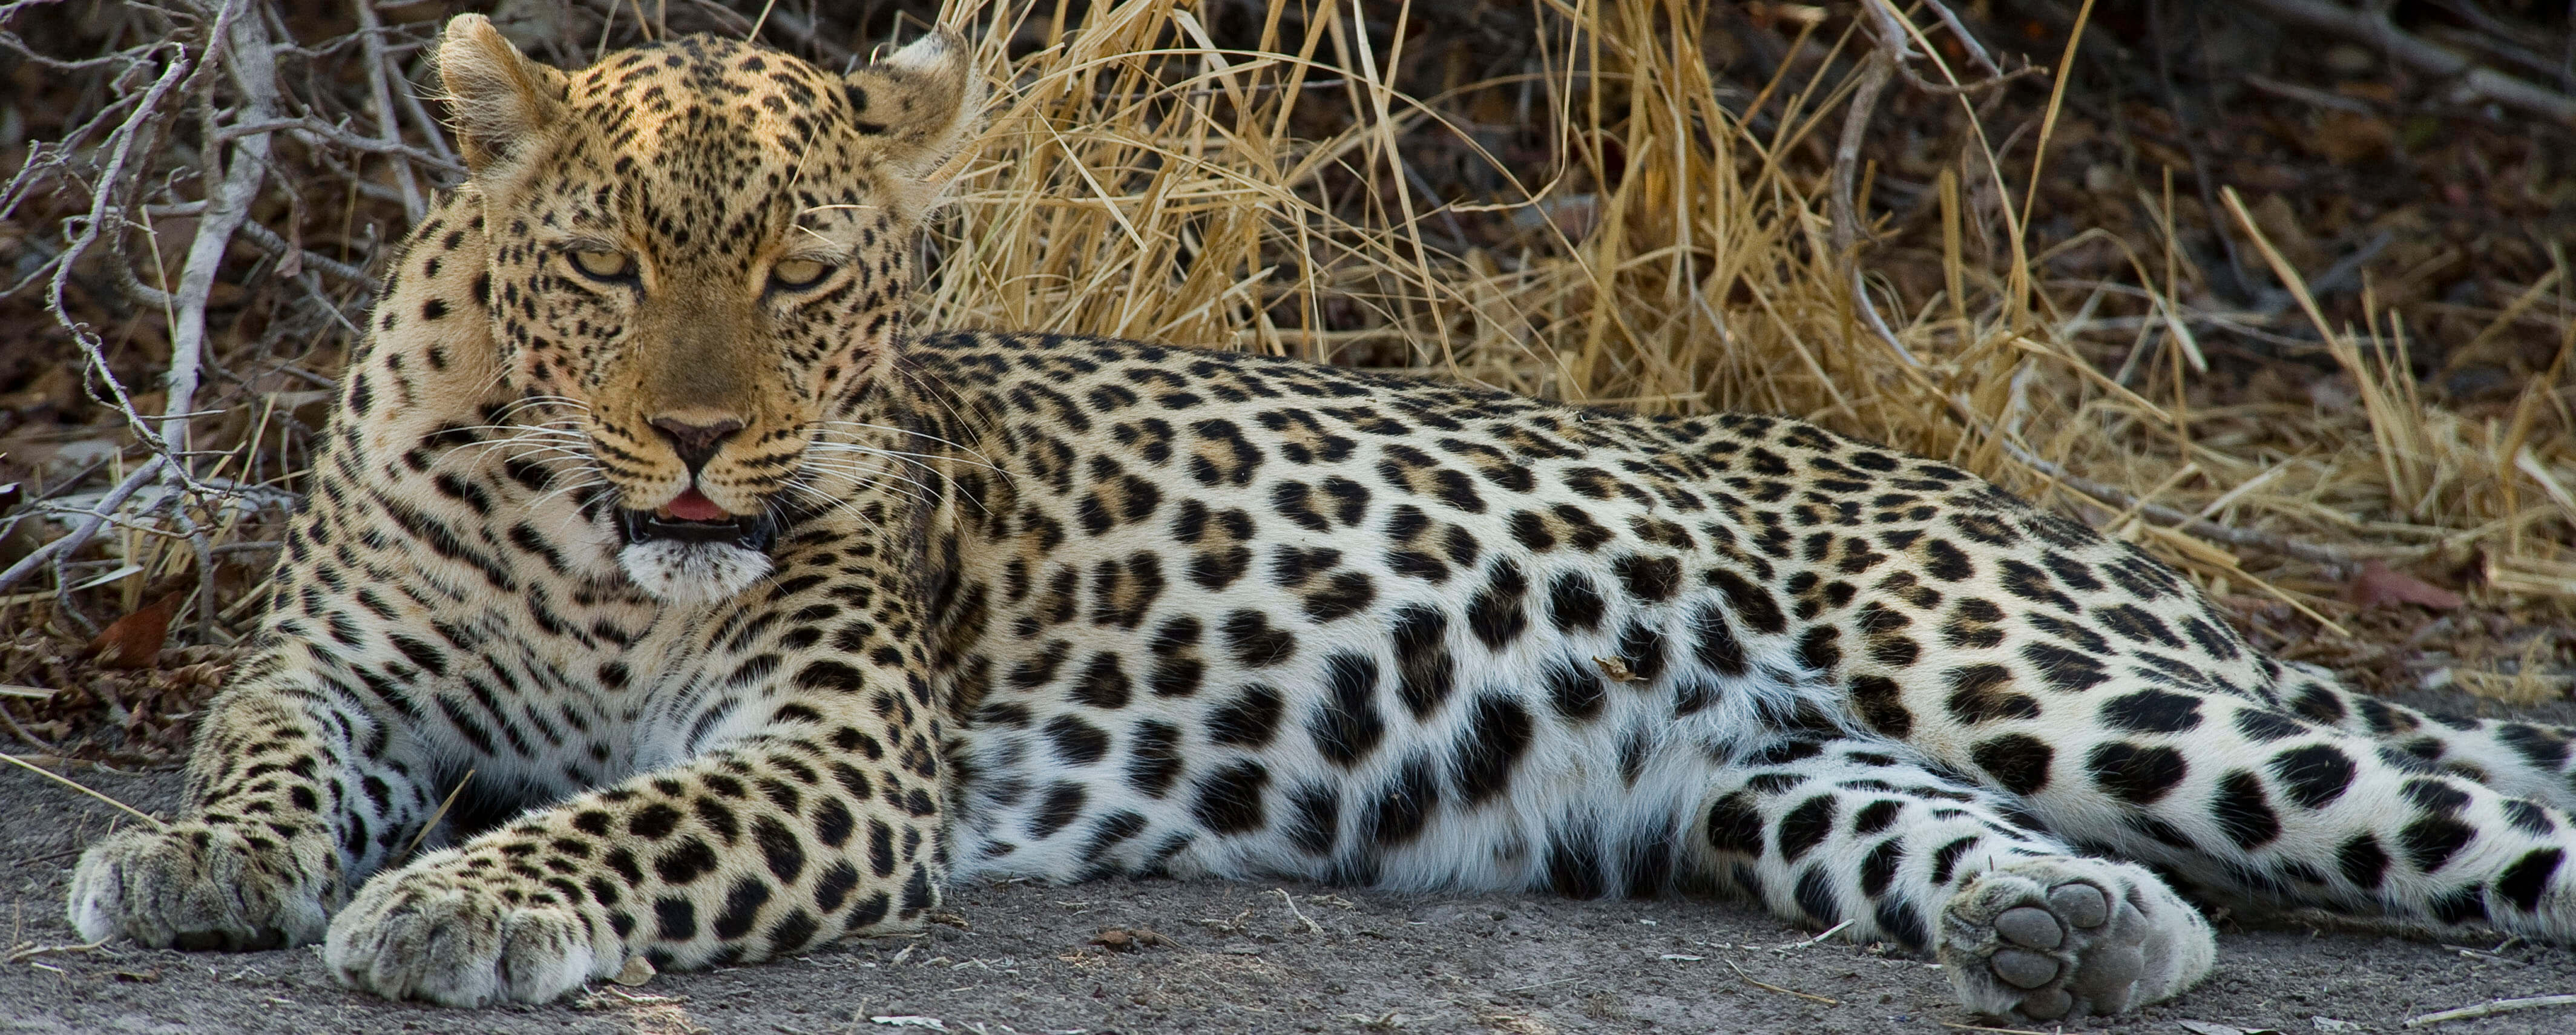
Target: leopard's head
[{"x": 698, "y": 249}]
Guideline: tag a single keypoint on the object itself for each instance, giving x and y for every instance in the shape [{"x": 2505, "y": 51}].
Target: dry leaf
[
  {"x": 2380, "y": 585},
  {"x": 134, "y": 641},
  {"x": 637, "y": 970},
  {"x": 1618, "y": 671}
]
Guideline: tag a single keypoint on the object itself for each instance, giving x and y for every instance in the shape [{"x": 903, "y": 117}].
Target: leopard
[{"x": 661, "y": 593}]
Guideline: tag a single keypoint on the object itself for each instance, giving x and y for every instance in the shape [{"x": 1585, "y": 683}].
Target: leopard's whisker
[
  {"x": 958, "y": 451},
  {"x": 849, "y": 507},
  {"x": 913, "y": 459},
  {"x": 859, "y": 474}
]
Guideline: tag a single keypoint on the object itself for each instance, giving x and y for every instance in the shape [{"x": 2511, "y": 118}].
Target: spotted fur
[{"x": 1023, "y": 605}]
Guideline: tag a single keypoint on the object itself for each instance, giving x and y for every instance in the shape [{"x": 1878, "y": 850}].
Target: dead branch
[
  {"x": 1892, "y": 46},
  {"x": 246, "y": 55},
  {"x": 2370, "y": 25},
  {"x": 71, "y": 542},
  {"x": 1895, "y": 38},
  {"x": 107, "y": 209},
  {"x": 237, "y": 42},
  {"x": 313, "y": 130},
  {"x": 1875, "y": 71},
  {"x": 269, "y": 242},
  {"x": 379, "y": 78}
]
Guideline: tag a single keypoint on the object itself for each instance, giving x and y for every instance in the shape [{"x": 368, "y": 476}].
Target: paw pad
[
  {"x": 2024, "y": 969},
  {"x": 2081, "y": 905},
  {"x": 2031, "y": 928},
  {"x": 2046, "y": 939}
]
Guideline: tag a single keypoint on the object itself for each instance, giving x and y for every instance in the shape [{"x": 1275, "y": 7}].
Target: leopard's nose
[{"x": 696, "y": 439}]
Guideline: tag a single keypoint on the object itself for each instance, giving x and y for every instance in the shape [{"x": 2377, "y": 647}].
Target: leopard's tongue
[{"x": 693, "y": 505}]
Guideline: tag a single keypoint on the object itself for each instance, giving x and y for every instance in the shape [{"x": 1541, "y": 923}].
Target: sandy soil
[{"x": 1237, "y": 959}]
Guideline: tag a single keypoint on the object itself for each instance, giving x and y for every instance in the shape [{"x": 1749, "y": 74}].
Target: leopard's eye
[
  {"x": 605, "y": 265},
  {"x": 797, "y": 273}
]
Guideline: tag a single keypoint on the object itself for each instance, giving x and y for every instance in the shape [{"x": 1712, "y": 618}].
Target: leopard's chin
[
  {"x": 681, "y": 561},
  {"x": 692, "y": 573}
]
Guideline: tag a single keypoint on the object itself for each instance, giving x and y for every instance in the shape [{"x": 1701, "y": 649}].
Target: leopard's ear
[
  {"x": 500, "y": 101},
  {"x": 921, "y": 99}
]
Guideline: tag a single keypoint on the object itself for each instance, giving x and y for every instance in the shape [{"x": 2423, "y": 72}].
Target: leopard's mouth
[{"x": 692, "y": 518}]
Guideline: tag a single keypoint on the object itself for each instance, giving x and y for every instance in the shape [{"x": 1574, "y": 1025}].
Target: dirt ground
[{"x": 1234, "y": 958}]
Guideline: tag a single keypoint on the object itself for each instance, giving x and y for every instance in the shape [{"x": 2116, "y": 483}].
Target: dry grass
[
  {"x": 1602, "y": 220},
  {"x": 1137, "y": 184}
]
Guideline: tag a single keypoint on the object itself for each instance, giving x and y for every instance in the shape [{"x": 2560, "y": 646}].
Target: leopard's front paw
[
  {"x": 2048, "y": 939},
  {"x": 438, "y": 931},
  {"x": 195, "y": 885}
]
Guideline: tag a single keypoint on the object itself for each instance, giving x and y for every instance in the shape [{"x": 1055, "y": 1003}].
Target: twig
[
  {"x": 2490, "y": 1009},
  {"x": 2308, "y": 95},
  {"x": 802, "y": 30},
  {"x": 2371, "y": 26},
  {"x": 1893, "y": 32},
  {"x": 24, "y": 953},
  {"x": 1748, "y": 979},
  {"x": 75, "y": 785},
  {"x": 106, "y": 212},
  {"x": 430, "y": 129},
  {"x": 1875, "y": 72},
  {"x": 269, "y": 242},
  {"x": 252, "y": 63},
  {"x": 2181, "y": 519},
  {"x": 1893, "y": 46},
  {"x": 316, "y": 129},
  {"x": 71, "y": 542},
  {"x": 434, "y": 817},
  {"x": 22, "y": 733},
  {"x": 1827, "y": 933},
  {"x": 371, "y": 31},
  {"x": 1284, "y": 896}
]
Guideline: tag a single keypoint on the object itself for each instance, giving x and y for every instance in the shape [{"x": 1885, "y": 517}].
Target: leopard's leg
[
  {"x": 1870, "y": 832},
  {"x": 809, "y": 807},
  {"x": 303, "y": 780},
  {"x": 2250, "y": 803},
  {"x": 838, "y": 837},
  {"x": 2522, "y": 759}
]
